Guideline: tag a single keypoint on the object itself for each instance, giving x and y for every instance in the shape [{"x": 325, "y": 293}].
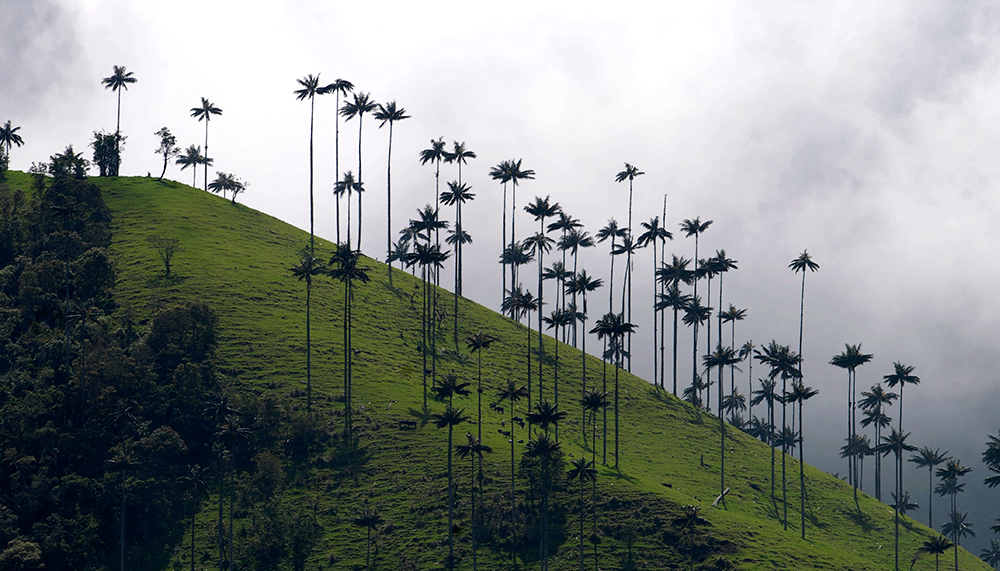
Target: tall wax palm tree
[
  {"x": 628, "y": 248},
  {"x": 192, "y": 157},
  {"x": 512, "y": 393},
  {"x": 502, "y": 173},
  {"x": 429, "y": 223},
  {"x": 546, "y": 414},
  {"x": 435, "y": 154},
  {"x": 478, "y": 343},
  {"x": 310, "y": 89},
  {"x": 695, "y": 227},
  {"x": 545, "y": 451},
  {"x": 122, "y": 461},
  {"x": 629, "y": 174},
  {"x": 949, "y": 475},
  {"x": 119, "y": 79},
  {"x": 192, "y": 484},
  {"x": 338, "y": 88},
  {"x": 654, "y": 233},
  {"x": 672, "y": 275},
  {"x": 800, "y": 394},
  {"x": 389, "y": 113},
  {"x": 428, "y": 257},
  {"x": 348, "y": 185},
  {"x": 592, "y": 402},
  {"x": 936, "y": 545},
  {"x": 9, "y": 138},
  {"x": 368, "y": 518},
  {"x": 768, "y": 394},
  {"x": 784, "y": 363},
  {"x": 929, "y": 457},
  {"x": 473, "y": 448},
  {"x": 722, "y": 265},
  {"x": 895, "y": 444},
  {"x": 449, "y": 387},
  {"x": 901, "y": 376},
  {"x": 229, "y": 436},
  {"x": 721, "y": 358},
  {"x": 873, "y": 403},
  {"x": 851, "y": 358},
  {"x": 801, "y": 264},
  {"x": 345, "y": 267},
  {"x": 694, "y": 315},
  {"x": 457, "y": 194},
  {"x": 732, "y": 315},
  {"x": 449, "y": 419},
  {"x": 583, "y": 472},
  {"x": 308, "y": 267},
  {"x": 615, "y": 329},
  {"x": 516, "y": 174},
  {"x": 582, "y": 284},
  {"x": 957, "y": 528},
  {"x": 204, "y": 113},
  {"x": 572, "y": 241},
  {"x": 708, "y": 269},
  {"x": 564, "y": 223},
  {"x": 362, "y": 103},
  {"x": 689, "y": 520},
  {"x": 521, "y": 303},
  {"x": 991, "y": 457},
  {"x": 541, "y": 209},
  {"x": 558, "y": 318},
  {"x": 460, "y": 155}
]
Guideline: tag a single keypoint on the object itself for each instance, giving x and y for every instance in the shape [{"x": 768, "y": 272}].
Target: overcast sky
[{"x": 865, "y": 132}]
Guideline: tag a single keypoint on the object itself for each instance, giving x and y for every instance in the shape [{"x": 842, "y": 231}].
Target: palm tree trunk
[
  {"x": 360, "y": 118},
  {"x": 656, "y": 361},
  {"x": 336, "y": 159},
  {"x": 123, "y": 512},
  {"x": 802, "y": 476},
  {"x": 232, "y": 498},
  {"x": 472, "y": 495},
  {"x": 513, "y": 505},
  {"x": 222, "y": 495},
  {"x": 541, "y": 291},
  {"x": 618, "y": 366},
  {"x": 527, "y": 355},
  {"x": 503, "y": 282},
  {"x": 784, "y": 448},
  {"x": 423, "y": 333},
  {"x": 604, "y": 390},
  {"x": 388, "y": 208},
  {"x": 722, "y": 432},
  {"x": 708, "y": 349},
  {"x": 206, "y": 152},
  {"x": 347, "y": 373},
  {"x": 628, "y": 276},
  {"x": 555, "y": 385},
  {"x": 451, "y": 502},
  {"x": 675, "y": 351},
  {"x": 308, "y": 343}
]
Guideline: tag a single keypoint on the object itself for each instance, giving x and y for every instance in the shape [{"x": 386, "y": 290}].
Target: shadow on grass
[
  {"x": 164, "y": 280},
  {"x": 423, "y": 415},
  {"x": 616, "y": 473},
  {"x": 351, "y": 461},
  {"x": 862, "y": 520}
]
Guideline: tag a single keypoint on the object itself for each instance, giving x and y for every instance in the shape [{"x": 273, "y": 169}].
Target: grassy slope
[{"x": 237, "y": 260}]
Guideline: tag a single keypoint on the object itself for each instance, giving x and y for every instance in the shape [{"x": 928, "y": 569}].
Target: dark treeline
[{"x": 103, "y": 416}]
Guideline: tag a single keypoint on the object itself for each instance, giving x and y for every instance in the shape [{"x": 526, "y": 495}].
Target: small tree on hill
[
  {"x": 107, "y": 151},
  {"x": 168, "y": 148},
  {"x": 166, "y": 248}
]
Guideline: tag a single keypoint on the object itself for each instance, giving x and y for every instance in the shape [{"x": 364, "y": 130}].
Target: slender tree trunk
[
  {"x": 708, "y": 349},
  {"x": 628, "y": 277},
  {"x": 423, "y": 333},
  {"x": 232, "y": 498},
  {"x": 347, "y": 373},
  {"x": 604, "y": 390},
  {"x": 336, "y": 160},
  {"x": 222, "y": 495},
  {"x": 312, "y": 254},
  {"x": 618, "y": 366},
  {"x": 123, "y": 516},
  {"x": 675, "y": 350},
  {"x": 527, "y": 355},
  {"x": 388, "y": 208},
  {"x": 451, "y": 502},
  {"x": 541, "y": 301},
  {"x": 722, "y": 432},
  {"x": 802, "y": 475},
  {"x": 555, "y": 385},
  {"x": 784, "y": 453},
  {"x": 206, "y": 152},
  {"x": 360, "y": 180},
  {"x": 513, "y": 504},
  {"x": 656, "y": 361},
  {"x": 309, "y": 342}
]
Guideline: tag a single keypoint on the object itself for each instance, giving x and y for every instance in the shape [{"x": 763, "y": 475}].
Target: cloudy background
[{"x": 865, "y": 132}]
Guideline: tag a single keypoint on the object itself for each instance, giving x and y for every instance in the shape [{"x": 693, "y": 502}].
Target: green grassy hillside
[{"x": 237, "y": 260}]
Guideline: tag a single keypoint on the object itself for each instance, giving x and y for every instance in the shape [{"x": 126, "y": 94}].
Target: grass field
[{"x": 237, "y": 260}]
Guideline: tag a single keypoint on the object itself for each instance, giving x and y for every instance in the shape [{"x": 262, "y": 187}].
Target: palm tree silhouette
[
  {"x": 936, "y": 545},
  {"x": 502, "y": 173},
  {"x": 801, "y": 264},
  {"x": 949, "y": 486},
  {"x": 363, "y": 103},
  {"x": 746, "y": 353},
  {"x": 546, "y": 414},
  {"x": 564, "y": 223},
  {"x": 229, "y": 436},
  {"x": 473, "y": 448},
  {"x": 541, "y": 209},
  {"x": 122, "y": 461},
  {"x": 783, "y": 363},
  {"x": 629, "y": 174},
  {"x": 851, "y": 359},
  {"x": 672, "y": 275},
  {"x": 929, "y": 457},
  {"x": 457, "y": 194},
  {"x": 512, "y": 393},
  {"x": 581, "y": 283},
  {"x": 991, "y": 457},
  {"x": 450, "y": 418},
  {"x": 614, "y": 328},
  {"x": 901, "y": 376},
  {"x": 800, "y": 394},
  {"x": 345, "y": 267},
  {"x": 654, "y": 233},
  {"x": 192, "y": 157},
  {"x": 767, "y": 394},
  {"x": 545, "y": 451},
  {"x": 895, "y": 444},
  {"x": 521, "y": 303},
  {"x": 722, "y": 264},
  {"x": 689, "y": 520},
  {"x": 583, "y": 472},
  {"x": 732, "y": 315},
  {"x": 389, "y": 113},
  {"x": 957, "y": 528},
  {"x": 119, "y": 79},
  {"x": 991, "y": 555},
  {"x": 368, "y": 518},
  {"x": 558, "y": 318},
  {"x": 429, "y": 257},
  {"x": 204, "y": 113},
  {"x": 572, "y": 241},
  {"x": 695, "y": 227},
  {"x": 348, "y": 185},
  {"x": 9, "y": 138},
  {"x": 873, "y": 403},
  {"x": 338, "y": 88},
  {"x": 627, "y": 247},
  {"x": 478, "y": 343},
  {"x": 592, "y": 402},
  {"x": 721, "y": 358},
  {"x": 225, "y": 182},
  {"x": 310, "y": 89},
  {"x": 192, "y": 485},
  {"x": 516, "y": 175},
  {"x": 308, "y": 267},
  {"x": 694, "y": 315}
]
